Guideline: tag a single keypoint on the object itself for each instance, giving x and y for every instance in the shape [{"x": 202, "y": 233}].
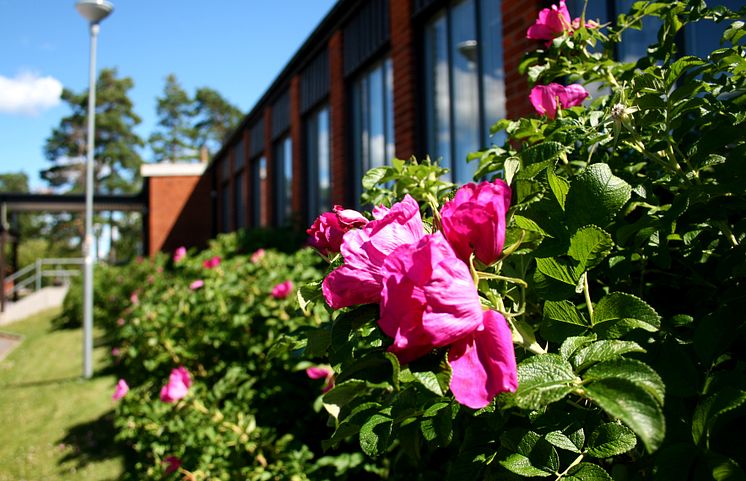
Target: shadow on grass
[
  {"x": 91, "y": 442},
  {"x": 41, "y": 382}
]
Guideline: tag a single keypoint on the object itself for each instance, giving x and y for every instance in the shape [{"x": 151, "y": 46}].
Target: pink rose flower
[
  {"x": 116, "y": 352},
  {"x": 322, "y": 372},
  {"x": 180, "y": 253},
  {"x": 547, "y": 98},
  {"x": 134, "y": 299},
  {"x": 212, "y": 262},
  {"x": 474, "y": 220},
  {"x": 483, "y": 363},
  {"x": 172, "y": 464},
  {"x": 553, "y": 22},
  {"x": 196, "y": 284},
  {"x": 120, "y": 390},
  {"x": 120, "y": 322},
  {"x": 178, "y": 385},
  {"x": 359, "y": 279},
  {"x": 429, "y": 300},
  {"x": 282, "y": 290},
  {"x": 327, "y": 230},
  {"x": 257, "y": 255}
]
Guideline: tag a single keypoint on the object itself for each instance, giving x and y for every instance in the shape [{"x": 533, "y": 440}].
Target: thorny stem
[{"x": 587, "y": 294}]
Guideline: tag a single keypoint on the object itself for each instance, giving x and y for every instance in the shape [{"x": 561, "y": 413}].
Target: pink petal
[
  {"x": 572, "y": 95},
  {"x": 318, "y": 372},
  {"x": 120, "y": 390},
  {"x": 483, "y": 363}
]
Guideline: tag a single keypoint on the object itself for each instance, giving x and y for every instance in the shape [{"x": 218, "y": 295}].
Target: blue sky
[{"x": 236, "y": 47}]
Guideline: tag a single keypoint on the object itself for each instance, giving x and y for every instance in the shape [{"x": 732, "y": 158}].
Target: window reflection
[
  {"x": 319, "y": 162},
  {"x": 284, "y": 163},
  {"x": 465, "y": 82},
  {"x": 372, "y": 120},
  {"x": 258, "y": 181}
]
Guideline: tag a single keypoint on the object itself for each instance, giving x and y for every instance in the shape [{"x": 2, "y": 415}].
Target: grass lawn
[{"x": 55, "y": 426}]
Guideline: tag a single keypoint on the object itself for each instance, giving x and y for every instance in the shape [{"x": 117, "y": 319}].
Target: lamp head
[{"x": 94, "y": 10}]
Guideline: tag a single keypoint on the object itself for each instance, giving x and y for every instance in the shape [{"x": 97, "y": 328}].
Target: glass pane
[
  {"x": 377, "y": 139},
  {"x": 389, "y": 108},
  {"x": 635, "y": 43},
  {"x": 437, "y": 91},
  {"x": 238, "y": 157},
  {"x": 238, "y": 186},
  {"x": 256, "y": 192},
  {"x": 324, "y": 157},
  {"x": 493, "y": 79},
  {"x": 224, "y": 209},
  {"x": 288, "y": 177},
  {"x": 465, "y": 89}
]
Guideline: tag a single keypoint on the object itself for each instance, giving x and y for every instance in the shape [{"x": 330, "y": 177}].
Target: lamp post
[{"x": 94, "y": 11}]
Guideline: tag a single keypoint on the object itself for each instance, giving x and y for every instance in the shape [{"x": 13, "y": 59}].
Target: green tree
[
  {"x": 175, "y": 139},
  {"x": 216, "y": 118}
]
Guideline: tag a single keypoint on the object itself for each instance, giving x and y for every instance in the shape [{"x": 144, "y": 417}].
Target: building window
[
  {"x": 318, "y": 156},
  {"x": 284, "y": 161},
  {"x": 238, "y": 189},
  {"x": 465, "y": 82},
  {"x": 224, "y": 208},
  {"x": 258, "y": 191},
  {"x": 372, "y": 120}
]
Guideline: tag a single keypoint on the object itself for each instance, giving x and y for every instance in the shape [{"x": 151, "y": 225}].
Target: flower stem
[
  {"x": 587, "y": 294},
  {"x": 572, "y": 465},
  {"x": 512, "y": 280}
]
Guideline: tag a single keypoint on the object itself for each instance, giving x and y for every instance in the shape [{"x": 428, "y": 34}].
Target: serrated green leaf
[
  {"x": 564, "y": 311},
  {"x": 436, "y": 425},
  {"x": 551, "y": 267},
  {"x": 713, "y": 407},
  {"x": 611, "y": 439},
  {"x": 512, "y": 165},
  {"x": 528, "y": 454},
  {"x": 309, "y": 293},
  {"x": 596, "y": 196},
  {"x": 430, "y": 381},
  {"x": 374, "y": 176},
  {"x": 342, "y": 394},
  {"x": 679, "y": 67},
  {"x": 560, "y": 187},
  {"x": 589, "y": 246},
  {"x": 587, "y": 472},
  {"x": 375, "y": 434},
  {"x": 633, "y": 405},
  {"x": 557, "y": 439},
  {"x": 632, "y": 370},
  {"x": 527, "y": 224},
  {"x": 545, "y": 151},
  {"x": 601, "y": 351},
  {"x": 573, "y": 343},
  {"x": 543, "y": 379},
  {"x": 619, "y": 312}
]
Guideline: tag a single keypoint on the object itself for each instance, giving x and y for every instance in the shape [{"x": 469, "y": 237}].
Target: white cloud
[{"x": 28, "y": 93}]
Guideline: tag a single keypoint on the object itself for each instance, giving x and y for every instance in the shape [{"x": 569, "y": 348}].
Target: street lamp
[{"x": 94, "y": 11}]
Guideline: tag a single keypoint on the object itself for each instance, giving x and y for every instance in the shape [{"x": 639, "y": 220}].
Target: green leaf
[
  {"x": 619, "y": 312},
  {"x": 557, "y": 439},
  {"x": 375, "y": 434},
  {"x": 527, "y": 454},
  {"x": 573, "y": 343},
  {"x": 559, "y": 185},
  {"x": 557, "y": 270},
  {"x": 632, "y": 370},
  {"x": 596, "y": 196},
  {"x": 564, "y": 311},
  {"x": 374, "y": 176},
  {"x": 430, "y": 381},
  {"x": 436, "y": 425},
  {"x": 589, "y": 246},
  {"x": 527, "y": 224},
  {"x": 713, "y": 407},
  {"x": 633, "y": 405},
  {"x": 309, "y": 293},
  {"x": 542, "y": 152},
  {"x": 543, "y": 379},
  {"x": 342, "y": 394},
  {"x": 611, "y": 439},
  {"x": 587, "y": 472},
  {"x": 679, "y": 67},
  {"x": 603, "y": 351},
  {"x": 512, "y": 165}
]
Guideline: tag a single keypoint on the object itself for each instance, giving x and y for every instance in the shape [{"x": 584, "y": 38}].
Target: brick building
[{"x": 376, "y": 79}]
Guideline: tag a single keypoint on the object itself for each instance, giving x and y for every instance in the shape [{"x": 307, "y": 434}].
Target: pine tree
[{"x": 175, "y": 139}]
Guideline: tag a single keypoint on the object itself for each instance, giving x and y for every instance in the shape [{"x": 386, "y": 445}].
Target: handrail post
[{"x": 37, "y": 274}]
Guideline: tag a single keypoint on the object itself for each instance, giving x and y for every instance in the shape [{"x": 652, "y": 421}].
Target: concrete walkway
[{"x": 46, "y": 298}]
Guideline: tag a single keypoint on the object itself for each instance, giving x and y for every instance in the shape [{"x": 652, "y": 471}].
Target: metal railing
[{"x": 33, "y": 274}]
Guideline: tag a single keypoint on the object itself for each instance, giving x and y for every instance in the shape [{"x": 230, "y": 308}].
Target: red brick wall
[
  {"x": 405, "y": 77},
  {"x": 178, "y": 212},
  {"x": 518, "y": 15},
  {"x": 339, "y": 167}
]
